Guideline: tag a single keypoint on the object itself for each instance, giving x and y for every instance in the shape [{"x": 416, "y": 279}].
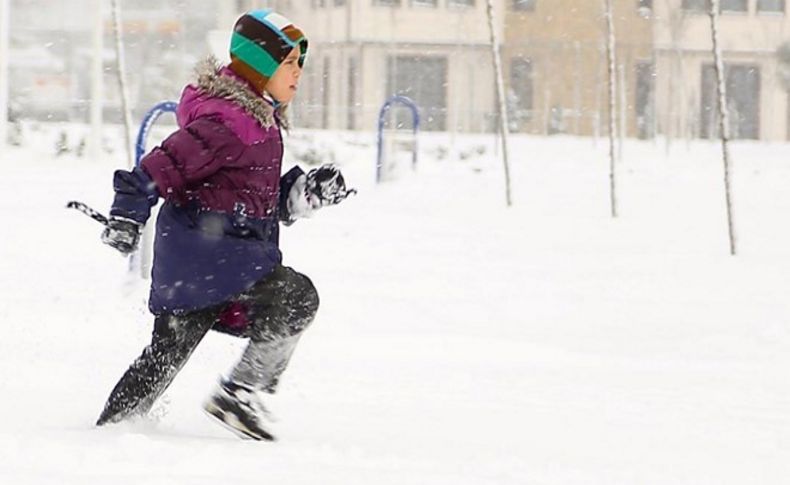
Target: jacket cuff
[
  {"x": 135, "y": 194},
  {"x": 287, "y": 182}
]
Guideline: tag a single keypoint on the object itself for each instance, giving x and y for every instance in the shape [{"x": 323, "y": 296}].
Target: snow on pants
[{"x": 278, "y": 309}]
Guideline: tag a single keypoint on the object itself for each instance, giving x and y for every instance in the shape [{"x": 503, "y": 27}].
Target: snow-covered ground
[{"x": 458, "y": 342}]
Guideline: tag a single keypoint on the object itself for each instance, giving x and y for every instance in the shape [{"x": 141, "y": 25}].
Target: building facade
[
  {"x": 436, "y": 52},
  {"x": 751, "y": 32},
  {"x": 557, "y": 69}
]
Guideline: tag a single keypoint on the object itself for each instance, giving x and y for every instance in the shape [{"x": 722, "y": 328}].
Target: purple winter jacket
[{"x": 219, "y": 173}]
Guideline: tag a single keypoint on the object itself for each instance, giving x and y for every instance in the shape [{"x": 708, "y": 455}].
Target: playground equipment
[
  {"x": 141, "y": 260},
  {"x": 395, "y": 140}
]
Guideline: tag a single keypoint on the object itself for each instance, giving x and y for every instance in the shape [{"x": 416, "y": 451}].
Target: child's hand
[
  {"x": 325, "y": 186},
  {"x": 122, "y": 234}
]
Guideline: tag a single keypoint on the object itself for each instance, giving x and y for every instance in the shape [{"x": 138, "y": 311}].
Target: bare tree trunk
[
  {"x": 97, "y": 81},
  {"x": 120, "y": 61},
  {"x": 500, "y": 91},
  {"x": 142, "y": 262},
  {"x": 610, "y": 46},
  {"x": 724, "y": 122}
]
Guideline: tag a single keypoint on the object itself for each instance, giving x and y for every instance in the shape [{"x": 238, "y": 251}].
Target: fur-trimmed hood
[{"x": 221, "y": 82}]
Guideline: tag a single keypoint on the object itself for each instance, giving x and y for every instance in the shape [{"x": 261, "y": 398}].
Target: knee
[
  {"x": 303, "y": 295},
  {"x": 302, "y": 301},
  {"x": 284, "y": 306}
]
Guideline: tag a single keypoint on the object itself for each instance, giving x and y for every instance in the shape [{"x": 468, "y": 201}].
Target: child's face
[{"x": 283, "y": 85}]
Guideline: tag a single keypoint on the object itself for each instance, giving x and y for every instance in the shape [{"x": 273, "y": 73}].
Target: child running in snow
[{"x": 217, "y": 264}]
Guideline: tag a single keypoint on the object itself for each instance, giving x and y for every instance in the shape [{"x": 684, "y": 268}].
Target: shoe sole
[{"x": 232, "y": 424}]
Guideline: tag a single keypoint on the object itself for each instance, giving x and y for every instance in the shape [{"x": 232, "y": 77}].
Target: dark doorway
[
  {"x": 424, "y": 80},
  {"x": 743, "y": 101}
]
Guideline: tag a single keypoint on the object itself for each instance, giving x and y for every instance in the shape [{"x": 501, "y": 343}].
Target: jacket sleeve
[
  {"x": 288, "y": 184},
  {"x": 189, "y": 155},
  {"x": 135, "y": 194}
]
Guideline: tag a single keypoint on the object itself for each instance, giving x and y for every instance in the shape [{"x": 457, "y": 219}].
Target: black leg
[
  {"x": 281, "y": 306},
  {"x": 173, "y": 341}
]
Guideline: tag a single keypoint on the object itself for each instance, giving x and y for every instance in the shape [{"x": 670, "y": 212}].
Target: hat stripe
[
  {"x": 266, "y": 38},
  {"x": 275, "y": 19},
  {"x": 275, "y": 22},
  {"x": 253, "y": 55},
  {"x": 250, "y": 74},
  {"x": 293, "y": 33}
]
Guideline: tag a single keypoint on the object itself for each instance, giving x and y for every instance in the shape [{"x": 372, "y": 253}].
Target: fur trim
[{"x": 212, "y": 82}]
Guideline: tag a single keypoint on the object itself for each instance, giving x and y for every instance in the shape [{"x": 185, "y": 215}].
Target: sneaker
[{"x": 241, "y": 410}]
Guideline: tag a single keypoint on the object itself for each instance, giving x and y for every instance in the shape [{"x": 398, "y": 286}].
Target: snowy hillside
[{"x": 458, "y": 341}]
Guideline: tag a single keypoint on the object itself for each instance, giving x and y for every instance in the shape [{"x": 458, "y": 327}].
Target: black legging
[{"x": 279, "y": 308}]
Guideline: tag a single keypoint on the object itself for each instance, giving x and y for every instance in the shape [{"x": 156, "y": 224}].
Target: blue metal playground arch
[
  {"x": 140, "y": 260},
  {"x": 148, "y": 122},
  {"x": 416, "y": 126}
]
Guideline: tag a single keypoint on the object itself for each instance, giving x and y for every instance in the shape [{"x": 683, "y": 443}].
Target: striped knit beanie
[{"x": 261, "y": 41}]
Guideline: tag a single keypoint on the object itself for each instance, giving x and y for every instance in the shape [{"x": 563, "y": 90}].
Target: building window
[
  {"x": 773, "y": 6},
  {"x": 318, "y": 3},
  {"x": 734, "y": 5},
  {"x": 387, "y": 3},
  {"x": 743, "y": 101},
  {"x": 325, "y": 95},
  {"x": 524, "y": 5},
  {"x": 696, "y": 5},
  {"x": 423, "y": 79},
  {"x": 460, "y": 3},
  {"x": 311, "y": 109},
  {"x": 340, "y": 3},
  {"x": 353, "y": 73},
  {"x": 424, "y": 3},
  {"x": 644, "y": 8},
  {"x": 520, "y": 92},
  {"x": 645, "y": 100}
]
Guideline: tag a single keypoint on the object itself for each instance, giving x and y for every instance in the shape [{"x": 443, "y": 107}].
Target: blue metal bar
[
  {"x": 416, "y": 127},
  {"x": 138, "y": 259},
  {"x": 148, "y": 121}
]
